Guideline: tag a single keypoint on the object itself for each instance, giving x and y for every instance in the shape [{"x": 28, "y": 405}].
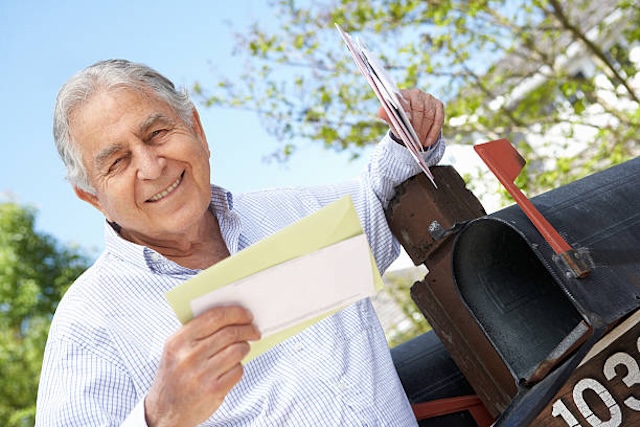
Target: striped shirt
[{"x": 107, "y": 335}]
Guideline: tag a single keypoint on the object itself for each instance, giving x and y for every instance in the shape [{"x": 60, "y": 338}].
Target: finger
[
  {"x": 232, "y": 376},
  {"x": 382, "y": 113},
  {"x": 226, "y": 358},
  {"x": 227, "y": 337},
  {"x": 226, "y": 381},
  {"x": 216, "y": 318},
  {"x": 219, "y": 381},
  {"x": 217, "y": 366},
  {"x": 405, "y": 98},
  {"x": 436, "y": 127},
  {"x": 427, "y": 116},
  {"x": 404, "y": 103},
  {"x": 197, "y": 365},
  {"x": 189, "y": 348},
  {"x": 421, "y": 115}
]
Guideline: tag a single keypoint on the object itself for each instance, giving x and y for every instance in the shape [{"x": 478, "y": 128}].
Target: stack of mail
[
  {"x": 388, "y": 94},
  {"x": 291, "y": 279}
]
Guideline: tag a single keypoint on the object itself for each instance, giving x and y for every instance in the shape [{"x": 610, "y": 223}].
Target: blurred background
[{"x": 282, "y": 104}]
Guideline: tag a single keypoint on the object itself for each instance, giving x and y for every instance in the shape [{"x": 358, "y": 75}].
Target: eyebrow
[
  {"x": 104, "y": 155},
  {"x": 152, "y": 120}
]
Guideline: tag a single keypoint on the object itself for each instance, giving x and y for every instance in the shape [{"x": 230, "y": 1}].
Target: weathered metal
[
  {"x": 431, "y": 380},
  {"x": 411, "y": 215},
  {"x": 423, "y": 218},
  {"x": 516, "y": 321},
  {"x": 506, "y": 164},
  {"x": 601, "y": 391}
]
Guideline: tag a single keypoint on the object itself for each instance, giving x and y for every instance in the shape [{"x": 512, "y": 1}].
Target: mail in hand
[{"x": 389, "y": 96}]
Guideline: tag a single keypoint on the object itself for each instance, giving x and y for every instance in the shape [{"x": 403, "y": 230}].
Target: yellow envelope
[{"x": 307, "y": 239}]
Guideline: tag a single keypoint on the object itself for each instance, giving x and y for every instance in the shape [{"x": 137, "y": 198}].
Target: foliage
[
  {"x": 35, "y": 271},
  {"x": 411, "y": 321},
  {"x": 556, "y": 78}
]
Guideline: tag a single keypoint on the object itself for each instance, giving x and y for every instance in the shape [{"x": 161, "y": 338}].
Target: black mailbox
[
  {"x": 515, "y": 299},
  {"x": 512, "y": 317}
]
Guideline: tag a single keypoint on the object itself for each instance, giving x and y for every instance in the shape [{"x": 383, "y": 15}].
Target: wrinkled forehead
[
  {"x": 107, "y": 107},
  {"x": 113, "y": 116}
]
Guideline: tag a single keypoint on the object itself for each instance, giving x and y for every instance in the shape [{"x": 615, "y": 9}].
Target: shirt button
[{"x": 298, "y": 347}]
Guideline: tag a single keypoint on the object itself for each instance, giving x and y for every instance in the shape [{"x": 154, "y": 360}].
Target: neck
[{"x": 199, "y": 250}]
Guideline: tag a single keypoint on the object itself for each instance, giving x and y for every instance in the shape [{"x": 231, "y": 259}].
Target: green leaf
[
  {"x": 35, "y": 271},
  {"x": 500, "y": 66}
]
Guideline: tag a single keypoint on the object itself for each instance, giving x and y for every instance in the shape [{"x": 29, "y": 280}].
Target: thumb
[{"x": 383, "y": 115}]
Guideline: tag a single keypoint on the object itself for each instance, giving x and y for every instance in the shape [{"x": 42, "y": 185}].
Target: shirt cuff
[
  {"x": 397, "y": 139},
  {"x": 431, "y": 155},
  {"x": 136, "y": 417}
]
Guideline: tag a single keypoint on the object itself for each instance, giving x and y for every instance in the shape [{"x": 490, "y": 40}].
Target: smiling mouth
[{"x": 169, "y": 190}]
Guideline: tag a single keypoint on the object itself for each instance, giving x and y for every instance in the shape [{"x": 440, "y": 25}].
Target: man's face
[{"x": 149, "y": 169}]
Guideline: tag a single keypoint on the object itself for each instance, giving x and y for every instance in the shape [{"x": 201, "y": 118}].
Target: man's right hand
[{"x": 200, "y": 364}]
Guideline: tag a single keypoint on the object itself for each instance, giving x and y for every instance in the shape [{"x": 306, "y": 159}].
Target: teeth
[{"x": 166, "y": 192}]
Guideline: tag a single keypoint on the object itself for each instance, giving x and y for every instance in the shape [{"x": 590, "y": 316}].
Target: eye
[
  {"x": 117, "y": 164},
  {"x": 114, "y": 165},
  {"x": 157, "y": 133}
]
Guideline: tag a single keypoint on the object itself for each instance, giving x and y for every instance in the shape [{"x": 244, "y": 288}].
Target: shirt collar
[
  {"x": 142, "y": 257},
  {"x": 221, "y": 200}
]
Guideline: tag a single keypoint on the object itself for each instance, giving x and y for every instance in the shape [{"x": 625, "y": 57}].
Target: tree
[
  {"x": 559, "y": 79},
  {"x": 35, "y": 271},
  {"x": 409, "y": 321}
]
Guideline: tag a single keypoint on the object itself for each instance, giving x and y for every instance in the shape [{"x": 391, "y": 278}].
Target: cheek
[
  {"x": 118, "y": 195},
  {"x": 202, "y": 166}
]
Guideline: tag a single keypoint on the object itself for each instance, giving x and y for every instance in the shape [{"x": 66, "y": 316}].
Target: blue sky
[{"x": 44, "y": 43}]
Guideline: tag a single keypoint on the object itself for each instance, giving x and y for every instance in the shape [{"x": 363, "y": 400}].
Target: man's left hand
[{"x": 425, "y": 112}]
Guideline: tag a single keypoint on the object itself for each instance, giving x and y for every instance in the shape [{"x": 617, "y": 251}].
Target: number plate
[{"x": 604, "y": 391}]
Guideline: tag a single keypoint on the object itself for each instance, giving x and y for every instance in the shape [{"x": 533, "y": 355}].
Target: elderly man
[{"x": 134, "y": 148}]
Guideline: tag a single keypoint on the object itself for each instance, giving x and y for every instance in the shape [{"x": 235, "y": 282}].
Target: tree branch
[{"x": 560, "y": 14}]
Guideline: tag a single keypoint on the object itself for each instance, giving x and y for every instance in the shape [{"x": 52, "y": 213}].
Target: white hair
[{"x": 105, "y": 76}]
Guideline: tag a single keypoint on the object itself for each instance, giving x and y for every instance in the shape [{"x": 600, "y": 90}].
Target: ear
[
  {"x": 92, "y": 199},
  {"x": 199, "y": 131}
]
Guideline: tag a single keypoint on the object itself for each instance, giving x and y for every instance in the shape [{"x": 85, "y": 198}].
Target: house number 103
[{"x": 559, "y": 408}]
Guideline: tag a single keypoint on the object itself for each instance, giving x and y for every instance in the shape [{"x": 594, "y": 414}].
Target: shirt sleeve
[
  {"x": 392, "y": 163},
  {"x": 136, "y": 417},
  {"x": 80, "y": 388},
  {"x": 389, "y": 166}
]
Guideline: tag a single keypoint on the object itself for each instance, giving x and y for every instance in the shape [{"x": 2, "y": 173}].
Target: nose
[{"x": 149, "y": 164}]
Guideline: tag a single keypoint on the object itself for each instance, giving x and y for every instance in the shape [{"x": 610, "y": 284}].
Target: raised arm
[{"x": 391, "y": 163}]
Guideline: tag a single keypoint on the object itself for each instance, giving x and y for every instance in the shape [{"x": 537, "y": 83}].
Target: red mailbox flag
[{"x": 506, "y": 164}]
